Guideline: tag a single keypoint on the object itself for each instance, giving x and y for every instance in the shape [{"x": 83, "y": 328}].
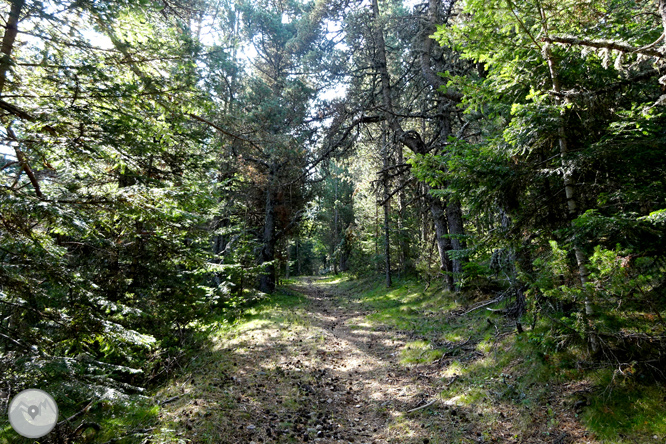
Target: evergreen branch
[
  {"x": 16, "y": 111},
  {"x": 222, "y": 130},
  {"x": 399, "y": 188},
  {"x": 605, "y": 44}
]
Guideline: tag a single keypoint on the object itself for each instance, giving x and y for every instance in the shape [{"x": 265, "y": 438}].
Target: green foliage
[
  {"x": 522, "y": 372},
  {"x": 548, "y": 114},
  {"x": 103, "y": 251}
]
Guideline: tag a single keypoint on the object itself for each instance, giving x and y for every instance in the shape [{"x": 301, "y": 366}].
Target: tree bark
[
  {"x": 376, "y": 238},
  {"x": 298, "y": 257},
  {"x": 454, "y": 216},
  {"x": 662, "y": 13},
  {"x": 442, "y": 237},
  {"x": 11, "y": 30},
  {"x": 431, "y": 77},
  {"x": 456, "y": 230},
  {"x": 411, "y": 139},
  {"x": 286, "y": 267},
  {"x": 387, "y": 206},
  {"x": 403, "y": 243},
  {"x": 569, "y": 184},
  {"x": 336, "y": 234},
  {"x": 607, "y": 44},
  {"x": 267, "y": 277}
]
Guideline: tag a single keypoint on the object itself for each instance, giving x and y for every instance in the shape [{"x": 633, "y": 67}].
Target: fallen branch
[
  {"x": 169, "y": 400},
  {"x": 423, "y": 406},
  {"x": 451, "y": 381},
  {"x": 79, "y": 413},
  {"x": 484, "y": 304}
]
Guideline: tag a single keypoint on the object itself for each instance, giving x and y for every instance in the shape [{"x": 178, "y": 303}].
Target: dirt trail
[{"x": 323, "y": 375}]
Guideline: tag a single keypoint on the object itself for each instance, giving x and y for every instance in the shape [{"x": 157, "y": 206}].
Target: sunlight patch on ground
[
  {"x": 456, "y": 400},
  {"x": 484, "y": 346},
  {"x": 453, "y": 337},
  {"x": 454, "y": 369}
]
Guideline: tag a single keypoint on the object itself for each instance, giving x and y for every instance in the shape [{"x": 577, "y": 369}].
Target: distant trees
[
  {"x": 275, "y": 124},
  {"x": 336, "y": 216},
  {"x": 394, "y": 86}
]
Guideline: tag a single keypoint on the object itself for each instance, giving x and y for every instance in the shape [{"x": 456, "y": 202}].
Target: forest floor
[{"x": 322, "y": 364}]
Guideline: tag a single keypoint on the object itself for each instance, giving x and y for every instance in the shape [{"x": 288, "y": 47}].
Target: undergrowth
[
  {"x": 539, "y": 380},
  {"x": 129, "y": 416}
]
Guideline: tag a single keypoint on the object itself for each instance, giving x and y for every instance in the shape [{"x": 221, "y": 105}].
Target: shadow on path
[{"x": 318, "y": 372}]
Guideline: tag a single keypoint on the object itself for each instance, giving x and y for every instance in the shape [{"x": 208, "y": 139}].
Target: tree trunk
[
  {"x": 662, "y": 13},
  {"x": 442, "y": 238},
  {"x": 267, "y": 277},
  {"x": 413, "y": 140},
  {"x": 336, "y": 233},
  {"x": 376, "y": 238},
  {"x": 457, "y": 230},
  {"x": 569, "y": 184},
  {"x": 387, "y": 207},
  {"x": 387, "y": 244},
  {"x": 287, "y": 266},
  {"x": 298, "y": 257},
  {"x": 453, "y": 210},
  {"x": 11, "y": 30},
  {"x": 403, "y": 242}
]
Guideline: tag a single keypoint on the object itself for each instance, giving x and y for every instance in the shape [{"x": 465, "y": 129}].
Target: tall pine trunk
[
  {"x": 387, "y": 207},
  {"x": 267, "y": 277},
  {"x": 569, "y": 184},
  {"x": 442, "y": 237}
]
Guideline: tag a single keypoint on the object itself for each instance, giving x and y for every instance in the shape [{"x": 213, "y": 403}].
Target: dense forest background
[{"x": 165, "y": 159}]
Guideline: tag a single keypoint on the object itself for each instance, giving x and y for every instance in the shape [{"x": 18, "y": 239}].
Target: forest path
[{"x": 318, "y": 372}]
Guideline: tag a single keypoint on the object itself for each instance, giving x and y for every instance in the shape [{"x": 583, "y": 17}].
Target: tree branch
[
  {"x": 23, "y": 161},
  {"x": 222, "y": 130},
  {"x": 400, "y": 187},
  {"x": 607, "y": 44},
  {"x": 16, "y": 111}
]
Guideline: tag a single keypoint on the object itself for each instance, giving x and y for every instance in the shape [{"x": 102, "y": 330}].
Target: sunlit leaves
[{"x": 107, "y": 260}]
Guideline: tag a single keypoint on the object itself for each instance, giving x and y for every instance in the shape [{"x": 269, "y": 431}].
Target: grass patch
[
  {"x": 200, "y": 385},
  {"x": 623, "y": 410},
  {"x": 531, "y": 377},
  {"x": 209, "y": 397},
  {"x": 419, "y": 352}
]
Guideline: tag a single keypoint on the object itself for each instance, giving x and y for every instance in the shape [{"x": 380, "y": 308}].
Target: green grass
[
  {"x": 417, "y": 352},
  {"x": 626, "y": 411},
  {"x": 121, "y": 419},
  {"x": 518, "y": 371},
  {"x": 204, "y": 375}
]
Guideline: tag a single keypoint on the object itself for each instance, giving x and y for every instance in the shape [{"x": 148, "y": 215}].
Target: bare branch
[
  {"x": 400, "y": 187},
  {"x": 16, "y": 111},
  {"x": 222, "y": 130},
  {"x": 23, "y": 160}
]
